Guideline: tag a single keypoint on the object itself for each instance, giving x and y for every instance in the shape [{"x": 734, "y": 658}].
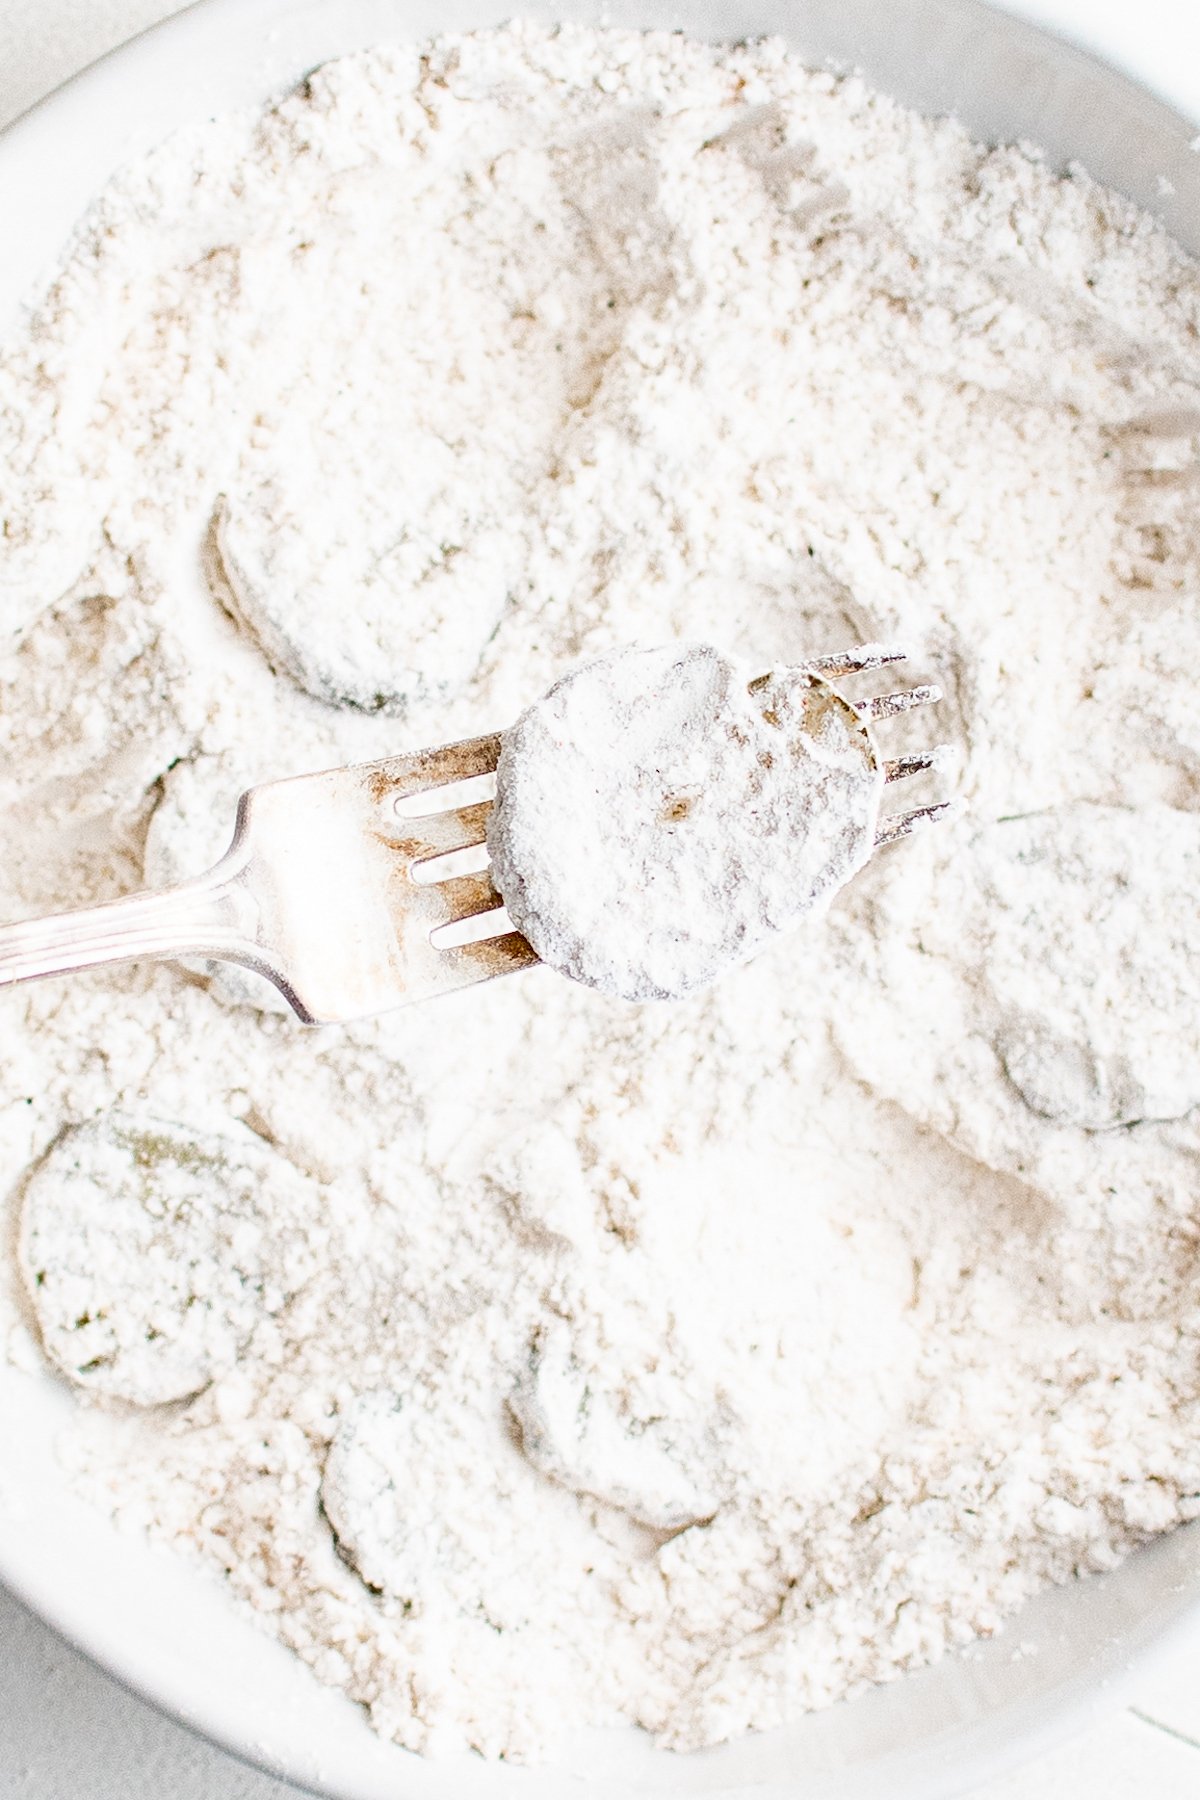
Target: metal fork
[{"x": 363, "y": 888}]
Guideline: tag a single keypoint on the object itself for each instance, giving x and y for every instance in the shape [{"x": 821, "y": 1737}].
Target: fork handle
[{"x": 214, "y": 915}]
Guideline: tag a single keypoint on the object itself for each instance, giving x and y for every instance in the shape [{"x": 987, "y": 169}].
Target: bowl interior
[{"x": 167, "y": 1629}]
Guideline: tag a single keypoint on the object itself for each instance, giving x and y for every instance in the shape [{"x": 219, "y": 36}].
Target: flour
[
  {"x": 660, "y": 813},
  {"x": 567, "y": 1363}
]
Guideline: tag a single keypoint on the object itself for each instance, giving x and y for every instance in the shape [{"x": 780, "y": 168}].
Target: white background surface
[{"x": 66, "y": 1731}]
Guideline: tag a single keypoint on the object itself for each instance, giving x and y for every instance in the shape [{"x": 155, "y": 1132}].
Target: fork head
[
  {"x": 370, "y": 884},
  {"x": 371, "y": 881},
  {"x": 827, "y": 669}
]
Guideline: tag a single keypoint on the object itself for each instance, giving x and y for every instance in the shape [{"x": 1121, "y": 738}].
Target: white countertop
[{"x": 66, "y": 1730}]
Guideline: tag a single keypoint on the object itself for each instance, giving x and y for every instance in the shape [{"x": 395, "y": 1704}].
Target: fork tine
[
  {"x": 854, "y": 662},
  {"x": 898, "y": 768},
  {"x": 901, "y": 825},
  {"x": 438, "y": 833},
  {"x": 467, "y": 963},
  {"x": 886, "y": 706},
  {"x": 462, "y": 897},
  {"x": 457, "y": 762},
  {"x": 410, "y": 777}
]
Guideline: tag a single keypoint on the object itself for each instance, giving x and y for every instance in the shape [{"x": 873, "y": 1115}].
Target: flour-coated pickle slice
[
  {"x": 1047, "y": 966},
  {"x": 657, "y": 1469},
  {"x": 373, "y": 524},
  {"x": 412, "y": 1485},
  {"x": 1098, "y": 1027},
  {"x": 383, "y": 1529},
  {"x": 400, "y": 613},
  {"x": 150, "y": 1252},
  {"x": 660, "y": 813}
]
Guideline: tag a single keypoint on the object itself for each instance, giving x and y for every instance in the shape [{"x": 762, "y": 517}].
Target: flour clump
[
  {"x": 661, "y": 813},
  {"x": 524, "y": 1362}
]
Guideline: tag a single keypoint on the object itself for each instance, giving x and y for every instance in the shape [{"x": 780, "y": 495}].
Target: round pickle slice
[{"x": 150, "y": 1252}]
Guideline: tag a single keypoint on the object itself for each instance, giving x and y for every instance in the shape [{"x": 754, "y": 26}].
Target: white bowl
[{"x": 145, "y": 1615}]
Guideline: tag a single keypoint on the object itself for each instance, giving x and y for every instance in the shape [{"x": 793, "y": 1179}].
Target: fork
[{"x": 363, "y": 888}]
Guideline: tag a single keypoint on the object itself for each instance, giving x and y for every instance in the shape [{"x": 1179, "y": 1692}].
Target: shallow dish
[{"x": 169, "y": 1632}]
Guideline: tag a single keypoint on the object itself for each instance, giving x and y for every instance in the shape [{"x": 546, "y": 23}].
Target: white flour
[
  {"x": 692, "y": 1365},
  {"x": 660, "y": 814}
]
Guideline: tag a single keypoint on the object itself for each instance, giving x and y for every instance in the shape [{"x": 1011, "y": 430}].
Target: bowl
[{"x": 165, "y": 1628}]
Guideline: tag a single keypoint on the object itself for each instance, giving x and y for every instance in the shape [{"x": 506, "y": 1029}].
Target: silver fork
[{"x": 364, "y": 888}]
